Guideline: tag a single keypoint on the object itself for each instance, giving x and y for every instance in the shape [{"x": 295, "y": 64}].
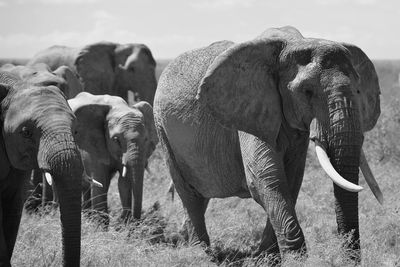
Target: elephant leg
[
  {"x": 55, "y": 194},
  {"x": 295, "y": 162},
  {"x": 265, "y": 172},
  {"x": 12, "y": 201},
  {"x": 102, "y": 174},
  {"x": 86, "y": 196},
  {"x": 269, "y": 243},
  {"x": 125, "y": 194},
  {"x": 194, "y": 226},
  {"x": 47, "y": 189},
  {"x": 34, "y": 194},
  {"x": 195, "y": 205},
  {"x": 5, "y": 256}
]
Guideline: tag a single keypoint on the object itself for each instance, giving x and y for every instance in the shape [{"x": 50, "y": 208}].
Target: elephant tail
[{"x": 170, "y": 159}]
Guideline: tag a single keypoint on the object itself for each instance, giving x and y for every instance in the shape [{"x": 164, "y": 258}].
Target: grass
[{"x": 235, "y": 225}]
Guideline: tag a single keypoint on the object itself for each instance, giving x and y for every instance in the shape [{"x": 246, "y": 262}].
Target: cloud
[
  {"x": 2, "y": 3},
  {"x": 218, "y": 4}
]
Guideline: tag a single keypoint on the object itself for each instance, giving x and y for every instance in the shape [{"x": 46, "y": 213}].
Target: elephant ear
[
  {"x": 147, "y": 111},
  {"x": 90, "y": 135},
  {"x": 240, "y": 88},
  {"x": 144, "y": 54},
  {"x": 74, "y": 86},
  {"x": 367, "y": 88},
  {"x": 95, "y": 65},
  {"x": 7, "y": 80},
  {"x": 134, "y": 55}
]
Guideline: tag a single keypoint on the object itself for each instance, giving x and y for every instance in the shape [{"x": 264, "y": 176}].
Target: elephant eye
[
  {"x": 308, "y": 93},
  {"x": 26, "y": 132},
  {"x": 116, "y": 140}
]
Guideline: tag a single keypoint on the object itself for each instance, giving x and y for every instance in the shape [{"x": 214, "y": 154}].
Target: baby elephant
[{"x": 113, "y": 136}]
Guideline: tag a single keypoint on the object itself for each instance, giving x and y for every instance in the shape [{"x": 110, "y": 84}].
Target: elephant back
[{"x": 56, "y": 56}]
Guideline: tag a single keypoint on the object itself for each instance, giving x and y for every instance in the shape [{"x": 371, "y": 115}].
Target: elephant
[
  {"x": 235, "y": 119},
  {"x": 107, "y": 68},
  {"x": 40, "y": 75},
  {"x": 38, "y": 129},
  {"x": 113, "y": 136}
]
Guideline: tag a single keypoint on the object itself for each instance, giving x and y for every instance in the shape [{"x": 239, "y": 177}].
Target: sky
[{"x": 171, "y": 27}]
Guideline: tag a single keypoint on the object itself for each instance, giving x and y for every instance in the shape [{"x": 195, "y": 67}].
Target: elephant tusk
[
  {"x": 123, "y": 171},
  {"x": 90, "y": 180},
  {"x": 96, "y": 183},
  {"x": 49, "y": 179},
  {"x": 369, "y": 177},
  {"x": 332, "y": 173}
]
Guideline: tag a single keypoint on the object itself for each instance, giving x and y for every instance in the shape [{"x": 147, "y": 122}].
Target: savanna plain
[{"x": 235, "y": 225}]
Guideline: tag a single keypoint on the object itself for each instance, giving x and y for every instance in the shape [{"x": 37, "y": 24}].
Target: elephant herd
[{"x": 233, "y": 119}]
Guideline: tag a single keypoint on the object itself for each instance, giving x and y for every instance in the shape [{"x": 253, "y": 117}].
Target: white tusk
[
  {"x": 123, "y": 171},
  {"x": 49, "y": 179},
  {"x": 96, "y": 183},
  {"x": 332, "y": 173},
  {"x": 369, "y": 177},
  {"x": 90, "y": 180}
]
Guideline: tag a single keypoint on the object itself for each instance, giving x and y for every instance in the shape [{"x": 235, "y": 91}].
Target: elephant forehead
[
  {"x": 45, "y": 78},
  {"x": 124, "y": 118},
  {"x": 36, "y": 103},
  {"x": 305, "y": 50}
]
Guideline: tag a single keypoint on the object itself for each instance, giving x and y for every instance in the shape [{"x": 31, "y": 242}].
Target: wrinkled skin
[
  {"x": 235, "y": 120},
  {"x": 37, "y": 132},
  {"x": 107, "y": 68},
  {"x": 40, "y": 74},
  {"x": 110, "y": 134}
]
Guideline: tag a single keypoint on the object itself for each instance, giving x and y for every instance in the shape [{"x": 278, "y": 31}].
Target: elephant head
[
  {"x": 110, "y": 68},
  {"x": 281, "y": 83},
  {"x": 40, "y": 74},
  {"x": 118, "y": 137},
  {"x": 38, "y": 132}
]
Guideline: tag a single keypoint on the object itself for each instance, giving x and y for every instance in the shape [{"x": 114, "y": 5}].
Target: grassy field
[{"x": 235, "y": 225}]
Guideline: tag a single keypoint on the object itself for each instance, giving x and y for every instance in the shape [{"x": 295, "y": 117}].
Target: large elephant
[
  {"x": 113, "y": 136},
  {"x": 236, "y": 119},
  {"x": 107, "y": 68},
  {"x": 38, "y": 132}
]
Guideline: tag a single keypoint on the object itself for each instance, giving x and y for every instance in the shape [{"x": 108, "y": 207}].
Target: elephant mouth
[{"x": 342, "y": 182}]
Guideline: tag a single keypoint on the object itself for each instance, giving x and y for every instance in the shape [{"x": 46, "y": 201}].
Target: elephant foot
[
  {"x": 125, "y": 217},
  {"x": 191, "y": 237},
  {"x": 272, "y": 251},
  {"x": 352, "y": 248}
]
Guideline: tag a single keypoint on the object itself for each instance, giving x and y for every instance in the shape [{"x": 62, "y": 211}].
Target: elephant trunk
[
  {"x": 137, "y": 190},
  {"x": 342, "y": 139},
  {"x": 59, "y": 156},
  {"x": 136, "y": 169}
]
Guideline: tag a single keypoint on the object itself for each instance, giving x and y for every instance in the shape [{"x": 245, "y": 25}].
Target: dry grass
[{"x": 235, "y": 226}]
